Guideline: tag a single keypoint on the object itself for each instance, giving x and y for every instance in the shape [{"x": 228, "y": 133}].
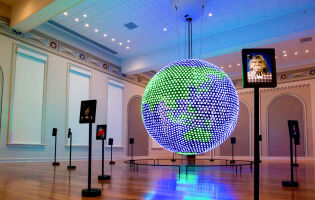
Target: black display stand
[
  {"x": 257, "y": 139},
  {"x": 90, "y": 192},
  {"x": 173, "y": 159},
  {"x": 291, "y": 183},
  {"x": 55, "y": 163},
  {"x": 211, "y": 154},
  {"x": 233, "y": 141},
  {"x": 111, "y": 142},
  {"x": 103, "y": 177},
  {"x": 70, "y": 136},
  {"x": 131, "y": 142}
]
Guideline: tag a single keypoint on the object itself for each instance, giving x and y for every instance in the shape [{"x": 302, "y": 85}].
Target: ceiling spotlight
[
  {"x": 276, "y": 57},
  {"x": 210, "y": 14},
  {"x": 128, "y": 41},
  {"x": 238, "y": 64},
  {"x": 296, "y": 53},
  {"x": 105, "y": 35},
  {"x": 230, "y": 66},
  {"x": 96, "y": 30},
  {"x": 85, "y": 15},
  {"x": 285, "y": 55},
  {"x": 164, "y": 29},
  {"x": 128, "y": 48},
  {"x": 306, "y": 51},
  {"x": 283, "y": 51},
  {"x": 222, "y": 67},
  {"x": 87, "y": 25},
  {"x": 113, "y": 39},
  {"x": 65, "y": 13},
  {"x": 76, "y": 19},
  {"x": 120, "y": 43}
]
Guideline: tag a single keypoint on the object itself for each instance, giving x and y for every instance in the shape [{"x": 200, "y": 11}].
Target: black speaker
[
  {"x": 54, "y": 133},
  {"x": 110, "y": 141},
  {"x": 233, "y": 140},
  {"x": 69, "y": 132},
  {"x": 131, "y": 140}
]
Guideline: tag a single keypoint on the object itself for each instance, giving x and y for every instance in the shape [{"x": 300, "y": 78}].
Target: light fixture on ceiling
[
  {"x": 283, "y": 51},
  {"x": 113, "y": 39},
  {"x": 65, "y": 13},
  {"x": 120, "y": 43},
  {"x": 210, "y": 14},
  {"x": 87, "y": 25},
  {"x": 127, "y": 47},
  {"x": 306, "y": 51},
  {"x": 128, "y": 41},
  {"x": 105, "y": 35},
  {"x": 96, "y": 30},
  {"x": 296, "y": 53},
  {"x": 76, "y": 19},
  {"x": 230, "y": 66},
  {"x": 285, "y": 55},
  {"x": 238, "y": 64},
  {"x": 276, "y": 57},
  {"x": 222, "y": 67},
  {"x": 85, "y": 15},
  {"x": 164, "y": 29}
]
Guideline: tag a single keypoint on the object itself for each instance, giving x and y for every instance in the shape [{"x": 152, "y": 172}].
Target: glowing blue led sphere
[{"x": 190, "y": 107}]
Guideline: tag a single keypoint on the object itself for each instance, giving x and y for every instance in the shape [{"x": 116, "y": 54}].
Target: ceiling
[{"x": 151, "y": 17}]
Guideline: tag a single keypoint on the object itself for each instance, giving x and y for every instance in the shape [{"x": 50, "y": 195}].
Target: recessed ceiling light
[
  {"x": 222, "y": 67},
  {"x": 113, "y": 39},
  {"x": 285, "y": 55},
  {"x": 230, "y": 66},
  {"x": 105, "y": 35},
  {"x": 283, "y": 51},
  {"x": 96, "y": 30},
  {"x": 276, "y": 57},
  {"x": 76, "y": 19},
  {"x": 120, "y": 43},
  {"x": 65, "y": 13},
  {"x": 296, "y": 53},
  {"x": 306, "y": 51},
  {"x": 238, "y": 64},
  {"x": 128, "y": 48},
  {"x": 87, "y": 25},
  {"x": 164, "y": 29},
  {"x": 85, "y": 15},
  {"x": 128, "y": 41},
  {"x": 210, "y": 14}
]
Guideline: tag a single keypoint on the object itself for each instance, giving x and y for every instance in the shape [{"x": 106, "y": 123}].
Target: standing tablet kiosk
[
  {"x": 101, "y": 135},
  {"x": 259, "y": 71},
  {"x": 87, "y": 116}
]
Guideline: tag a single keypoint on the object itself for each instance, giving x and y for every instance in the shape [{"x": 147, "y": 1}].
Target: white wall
[{"x": 56, "y": 109}]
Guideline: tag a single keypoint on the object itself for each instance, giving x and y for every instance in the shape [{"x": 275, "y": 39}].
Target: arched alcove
[
  {"x": 280, "y": 110},
  {"x": 136, "y": 128},
  {"x": 242, "y": 134}
]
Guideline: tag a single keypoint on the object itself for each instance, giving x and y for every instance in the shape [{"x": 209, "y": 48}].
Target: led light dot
[{"x": 190, "y": 107}]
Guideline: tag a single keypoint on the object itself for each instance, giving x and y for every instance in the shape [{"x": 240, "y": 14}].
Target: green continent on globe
[
  {"x": 197, "y": 134},
  {"x": 173, "y": 84}
]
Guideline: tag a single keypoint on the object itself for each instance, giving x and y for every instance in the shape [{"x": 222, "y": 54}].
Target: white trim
[
  {"x": 32, "y": 53},
  {"x": 116, "y": 83}
]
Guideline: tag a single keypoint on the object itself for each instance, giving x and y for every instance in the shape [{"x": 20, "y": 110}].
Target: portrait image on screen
[
  {"x": 101, "y": 132},
  {"x": 259, "y": 68},
  {"x": 87, "y": 112}
]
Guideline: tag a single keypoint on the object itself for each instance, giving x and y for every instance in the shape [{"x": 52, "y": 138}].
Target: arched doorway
[
  {"x": 241, "y": 132},
  {"x": 280, "y": 110},
  {"x": 136, "y": 128}
]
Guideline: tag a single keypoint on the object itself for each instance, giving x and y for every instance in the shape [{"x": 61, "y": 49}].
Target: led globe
[{"x": 190, "y": 107}]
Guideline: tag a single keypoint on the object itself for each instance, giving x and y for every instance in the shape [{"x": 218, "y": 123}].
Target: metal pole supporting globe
[{"x": 190, "y": 107}]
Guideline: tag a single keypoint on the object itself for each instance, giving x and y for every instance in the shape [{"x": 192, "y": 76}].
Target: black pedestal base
[
  {"x": 71, "y": 167},
  {"x": 290, "y": 184},
  {"x": 112, "y": 163},
  {"x": 295, "y": 165},
  {"x": 173, "y": 160},
  {"x": 103, "y": 177},
  {"x": 93, "y": 192},
  {"x": 55, "y": 163},
  {"x": 211, "y": 160}
]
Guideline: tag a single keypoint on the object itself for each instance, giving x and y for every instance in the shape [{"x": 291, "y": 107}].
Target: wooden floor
[{"x": 27, "y": 181}]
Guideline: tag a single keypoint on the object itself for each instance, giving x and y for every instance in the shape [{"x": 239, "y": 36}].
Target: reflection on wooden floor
[{"x": 27, "y": 181}]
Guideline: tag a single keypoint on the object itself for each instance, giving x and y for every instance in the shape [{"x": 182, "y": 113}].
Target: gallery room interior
[{"x": 157, "y": 99}]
